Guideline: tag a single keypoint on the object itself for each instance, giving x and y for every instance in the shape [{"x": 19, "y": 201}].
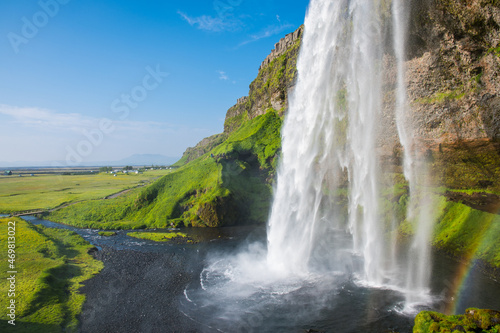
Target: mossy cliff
[
  {"x": 474, "y": 320},
  {"x": 229, "y": 184},
  {"x": 277, "y": 75}
]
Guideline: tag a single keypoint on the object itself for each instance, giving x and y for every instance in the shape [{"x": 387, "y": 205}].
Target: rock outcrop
[{"x": 282, "y": 46}]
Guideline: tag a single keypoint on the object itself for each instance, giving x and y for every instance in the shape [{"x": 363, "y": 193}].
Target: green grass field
[
  {"x": 50, "y": 265},
  {"x": 157, "y": 236},
  {"x": 50, "y": 191}
]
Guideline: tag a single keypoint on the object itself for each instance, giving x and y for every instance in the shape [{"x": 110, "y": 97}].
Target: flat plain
[{"x": 51, "y": 190}]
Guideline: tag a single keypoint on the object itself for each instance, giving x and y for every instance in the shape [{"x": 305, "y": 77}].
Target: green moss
[
  {"x": 232, "y": 123},
  {"x": 157, "y": 236},
  {"x": 274, "y": 79},
  {"x": 474, "y": 320},
  {"x": 494, "y": 50},
  {"x": 441, "y": 97},
  {"x": 467, "y": 166},
  {"x": 52, "y": 264},
  {"x": 106, "y": 233},
  {"x": 467, "y": 232}
]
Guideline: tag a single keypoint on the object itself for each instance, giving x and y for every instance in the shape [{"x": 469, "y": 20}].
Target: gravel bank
[{"x": 139, "y": 292}]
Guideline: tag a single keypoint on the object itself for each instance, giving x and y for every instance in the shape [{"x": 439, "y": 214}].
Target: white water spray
[
  {"x": 329, "y": 149},
  {"x": 418, "y": 274}
]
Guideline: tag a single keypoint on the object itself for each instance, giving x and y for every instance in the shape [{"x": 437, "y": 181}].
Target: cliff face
[
  {"x": 454, "y": 85},
  {"x": 452, "y": 72},
  {"x": 277, "y": 75},
  {"x": 452, "y": 76}
]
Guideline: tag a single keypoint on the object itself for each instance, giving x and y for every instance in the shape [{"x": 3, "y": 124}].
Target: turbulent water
[{"x": 330, "y": 153}]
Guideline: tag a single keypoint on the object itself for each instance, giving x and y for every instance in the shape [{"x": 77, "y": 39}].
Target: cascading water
[
  {"x": 332, "y": 249},
  {"x": 418, "y": 275},
  {"x": 329, "y": 150}
]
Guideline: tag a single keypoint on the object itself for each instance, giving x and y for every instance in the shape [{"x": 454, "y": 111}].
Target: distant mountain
[{"x": 134, "y": 160}]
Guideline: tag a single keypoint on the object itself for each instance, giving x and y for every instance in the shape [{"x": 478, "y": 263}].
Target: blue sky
[{"x": 102, "y": 80}]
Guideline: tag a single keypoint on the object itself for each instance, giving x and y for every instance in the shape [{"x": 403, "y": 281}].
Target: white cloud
[
  {"x": 209, "y": 23},
  {"x": 45, "y": 119},
  {"x": 267, "y": 32},
  {"x": 40, "y": 134},
  {"x": 223, "y": 76}
]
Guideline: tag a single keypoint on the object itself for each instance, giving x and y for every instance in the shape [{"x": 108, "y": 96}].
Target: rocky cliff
[
  {"x": 277, "y": 75},
  {"x": 453, "y": 70},
  {"x": 452, "y": 76}
]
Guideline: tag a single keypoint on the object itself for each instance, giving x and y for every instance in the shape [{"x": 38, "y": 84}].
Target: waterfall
[
  {"x": 326, "y": 212},
  {"x": 418, "y": 274}
]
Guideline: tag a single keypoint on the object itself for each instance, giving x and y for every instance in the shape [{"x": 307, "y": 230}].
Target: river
[{"x": 166, "y": 287}]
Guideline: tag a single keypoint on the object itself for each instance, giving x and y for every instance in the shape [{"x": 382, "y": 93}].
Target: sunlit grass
[
  {"x": 157, "y": 236},
  {"x": 229, "y": 184},
  {"x": 51, "y": 265},
  {"x": 50, "y": 191}
]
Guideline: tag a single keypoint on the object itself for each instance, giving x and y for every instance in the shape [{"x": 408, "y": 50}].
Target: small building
[{"x": 8, "y": 173}]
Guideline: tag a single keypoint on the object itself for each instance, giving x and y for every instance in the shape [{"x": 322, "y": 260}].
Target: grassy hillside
[
  {"x": 230, "y": 184},
  {"x": 51, "y": 265}
]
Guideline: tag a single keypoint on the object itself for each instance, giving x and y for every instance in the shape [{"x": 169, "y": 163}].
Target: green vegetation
[
  {"x": 108, "y": 214},
  {"x": 275, "y": 78},
  {"x": 228, "y": 185},
  {"x": 272, "y": 83},
  {"x": 441, "y": 97},
  {"x": 494, "y": 50},
  {"x": 157, "y": 236},
  {"x": 466, "y": 232},
  {"x": 53, "y": 190},
  {"x": 474, "y": 320},
  {"x": 201, "y": 148},
  {"x": 106, "y": 233},
  {"x": 467, "y": 166},
  {"x": 51, "y": 265},
  {"x": 224, "y": 189}
]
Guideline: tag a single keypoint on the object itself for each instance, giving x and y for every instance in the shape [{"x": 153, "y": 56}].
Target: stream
[{"x": 216, "y": 285}]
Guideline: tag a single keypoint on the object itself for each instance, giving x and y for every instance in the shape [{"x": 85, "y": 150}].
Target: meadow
[
  {"x": 51, "y": 265},
  {"x": 48, "y": 191}
]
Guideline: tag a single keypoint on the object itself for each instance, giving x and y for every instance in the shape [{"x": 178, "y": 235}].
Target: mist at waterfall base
[{"x": 329, "y": 264}]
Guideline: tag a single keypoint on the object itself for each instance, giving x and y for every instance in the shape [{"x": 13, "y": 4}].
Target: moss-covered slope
[{"x": 229, "y": 184}]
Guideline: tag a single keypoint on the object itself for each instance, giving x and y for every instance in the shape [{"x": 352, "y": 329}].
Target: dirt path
[{"x": 116, "y": 195}]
